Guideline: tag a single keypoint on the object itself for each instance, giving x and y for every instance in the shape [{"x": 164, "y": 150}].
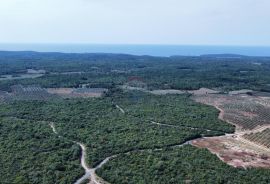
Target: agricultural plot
[
  {"x": 261, "y": 138},
  {"x": 77, "y": 92},
  {"x": 28, "y": 93},
  {"x": 246, "y": 112},
  {"x": 20, "y": 92},
  {"x": 249, "y": 114}
]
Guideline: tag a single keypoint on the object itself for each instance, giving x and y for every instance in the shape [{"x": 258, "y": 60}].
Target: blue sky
[{"x": 184, "y": 22}]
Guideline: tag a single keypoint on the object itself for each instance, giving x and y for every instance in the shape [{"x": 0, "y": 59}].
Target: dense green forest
[
  {"x": 108, "y": 70},
  {"x": 106, "y": 131},
  {"x": 31, "y": 153},
  {"x": 179, "y": 165}
]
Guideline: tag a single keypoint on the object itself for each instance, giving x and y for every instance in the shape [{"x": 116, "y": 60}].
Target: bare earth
[
  {"x": 236, "y": 151},
  {"x": 201, "y": 91}
]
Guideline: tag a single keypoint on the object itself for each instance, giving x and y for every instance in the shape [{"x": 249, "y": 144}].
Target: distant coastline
[{"x": 152, "y": 50}]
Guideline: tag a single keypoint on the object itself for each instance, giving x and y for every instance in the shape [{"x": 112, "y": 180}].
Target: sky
[{"x": 180, "y": 22}]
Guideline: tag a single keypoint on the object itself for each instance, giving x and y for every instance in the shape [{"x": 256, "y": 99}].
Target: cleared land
[
  {"x": 77, "y": 92},
  {"x": 247, "y": 147}
]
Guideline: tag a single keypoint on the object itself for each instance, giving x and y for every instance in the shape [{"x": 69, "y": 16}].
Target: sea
[{"x": 152, "y": 50}]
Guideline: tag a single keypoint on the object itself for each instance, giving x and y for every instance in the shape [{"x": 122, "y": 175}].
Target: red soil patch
[{"x": 234, "y": 152}]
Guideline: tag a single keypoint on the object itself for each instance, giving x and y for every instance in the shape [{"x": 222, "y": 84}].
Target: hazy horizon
[
  {"x": 137, "y": 49},
  {"x": 151, "y": 22}
]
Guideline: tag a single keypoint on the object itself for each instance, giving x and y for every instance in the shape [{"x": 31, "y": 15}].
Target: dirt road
[
  {"x": 89, "y": 172},
  {"x": 118, "y": 107}
]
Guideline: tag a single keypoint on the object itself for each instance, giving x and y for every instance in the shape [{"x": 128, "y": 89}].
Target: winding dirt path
[
  {"x": 118, "y": 107},
  {"x": 177, "y": 126},
  {"x": 141, "y": 150},
  {"x": 168, "y": 125},
  {"x": 89, "y": 172}
]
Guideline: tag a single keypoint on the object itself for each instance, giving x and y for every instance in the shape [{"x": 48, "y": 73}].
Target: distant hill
[{"x": 224, "y": 55}]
